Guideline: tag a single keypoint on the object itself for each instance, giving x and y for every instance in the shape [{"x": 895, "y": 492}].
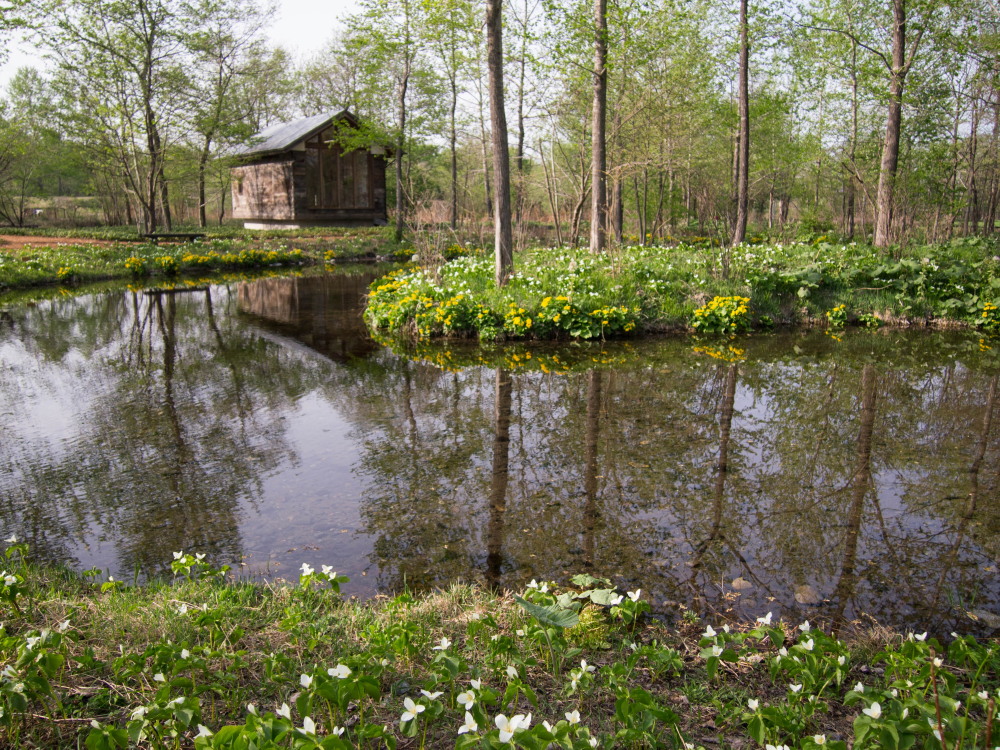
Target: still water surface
[{"x": 258, "y": 423}]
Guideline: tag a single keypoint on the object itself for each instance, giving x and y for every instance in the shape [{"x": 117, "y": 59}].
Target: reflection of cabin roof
[{"x": 283, "y": 136}]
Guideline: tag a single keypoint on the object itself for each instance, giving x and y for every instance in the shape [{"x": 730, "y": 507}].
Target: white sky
[{"x": 302, "y": 27}]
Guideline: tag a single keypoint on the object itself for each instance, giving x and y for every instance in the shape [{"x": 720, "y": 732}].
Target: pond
[{"x": 849, "y": 477}]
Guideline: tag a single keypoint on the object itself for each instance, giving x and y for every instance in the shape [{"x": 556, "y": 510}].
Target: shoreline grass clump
[
  {"x": 72, "y": 263},
  {"x": 208, "y": 662},
  {"x": 560, "y": 293}
]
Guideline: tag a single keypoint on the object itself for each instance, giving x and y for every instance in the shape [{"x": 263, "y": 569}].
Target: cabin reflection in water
[{"x": 321, "y": 312}]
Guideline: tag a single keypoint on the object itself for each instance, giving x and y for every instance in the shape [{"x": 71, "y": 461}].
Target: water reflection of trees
[
  {"x": 172, "y": 424},
  {"x": 831, "y": 484}
]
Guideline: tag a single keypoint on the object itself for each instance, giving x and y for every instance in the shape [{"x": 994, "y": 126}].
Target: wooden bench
[{"x": 157, "y": 237}]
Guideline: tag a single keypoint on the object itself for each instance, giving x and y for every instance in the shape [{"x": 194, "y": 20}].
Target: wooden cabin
[{"x": 293, "y": 176}]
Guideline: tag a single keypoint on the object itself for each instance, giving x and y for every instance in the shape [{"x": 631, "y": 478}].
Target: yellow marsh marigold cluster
[
  {"x": 723, "y": 315},
  {"x": 991, "y": 317},
  {"x": 408, "y": 301}
]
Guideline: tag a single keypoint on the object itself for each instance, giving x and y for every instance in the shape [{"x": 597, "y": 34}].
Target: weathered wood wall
[{"x": 265, "y": 190}]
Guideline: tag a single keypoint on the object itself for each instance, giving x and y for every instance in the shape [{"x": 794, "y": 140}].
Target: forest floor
[{"x": 210, "y": 661}]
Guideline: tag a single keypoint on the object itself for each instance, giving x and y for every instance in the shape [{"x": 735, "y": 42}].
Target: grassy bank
[
  {"x": 205, "y": 662},
  {"x": 75, "y": 262},
  {"x": 566, "y": 293}
]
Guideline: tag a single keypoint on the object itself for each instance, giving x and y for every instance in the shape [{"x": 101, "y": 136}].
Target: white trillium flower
[
  {"x": 634, "y": 595},
  {"x": 32, "y": 640},
  {"x": 175, "y": 702},
  {"x": 795, "y": 688},
  {"x": 285, "y": 711},
  {"x": 548, "y": 727},
  {"x": 308, "y": 726},
  {"x": 178, "y": 555},
  {"x": 305, "y": 680},
  {"x": 614, "y": 601},
  {"x": 341, "y": 671},
  {"x": 906, "y": 712},
  {"x": 508, "y": 727},
  {"x": 841, "y": 660},
  {"x": 782, "y": 651},
  {"x": 819, "y": 739},
  {"x": 199, "y": 556},
  {"x": 725, "y": 628},
  {"x": 709, "y": 632},
  {"x": 983, "y": 695},
  {"x": 139, "y": 712},
  {"x": 921, "y": 636},
  {"x": 765, "y": 620},
  {"x": 753, "y": 703},
  {"x": 185, "y": 653},
  {"x": 444, "y": 645},
  {"x": 204, "y": 731},
  {"x": 520, "y": 633},
  {"x": 584, "y": 667},
  {"x": 938, "y": 661},
  {"x": 476, "y": 684},
  {"x": 9, "y": 580},
  {"x": 251, "y": 709},
  {"x": 158, "y": 677},
  {"x": 875, "y": 710},
  {"x": 859, "y": 688},
  {"x": 593, "y": 742},
  {"x": 808, "y": 645},
  {"x": 573, "y": 717},
  {"x": 432, "y": 696},
  {"x": 182, "y": 610},
  {"x": 716, "y": 650},
  {"x": 412, "y": 709},
  {"x": 776, "y": 747},
  {"x": 307, "y": 569},
  {"x": 466, "y": 699},
  {"x": 328, "y": 571},
  {"x": 511, "y": 672},
  {"x": 470, "y": 724},
  {"x": 805, "y": 628}
]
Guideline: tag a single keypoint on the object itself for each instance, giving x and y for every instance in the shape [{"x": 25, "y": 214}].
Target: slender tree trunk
[
  {"x": 743, "y": 145},
  {"x": 890, "y": 148},
  {"x": 519, "y": 160},
  {"x": 504, "y": 240},
  {"x": 452, "y": 142},
  {"x": 202, "y": 168},
  {"x": 598, "y": 193},
  {"x": 853, "y": 153},
  {"x": 550, "y": 189},
  {"x": 401, "y": 87}
]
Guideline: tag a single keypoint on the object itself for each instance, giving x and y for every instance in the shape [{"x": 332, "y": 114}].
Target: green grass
[
  {"x": 660, "y": 288},
  {"x": 73, "y": 263},
  {"x": 209, "y": 661}
]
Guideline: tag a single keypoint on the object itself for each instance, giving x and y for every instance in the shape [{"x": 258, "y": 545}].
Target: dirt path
[{"x": 16, "y": 242}]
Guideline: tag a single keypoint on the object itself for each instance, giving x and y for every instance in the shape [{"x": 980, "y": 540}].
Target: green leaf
[{"x": 551, "y": 615}]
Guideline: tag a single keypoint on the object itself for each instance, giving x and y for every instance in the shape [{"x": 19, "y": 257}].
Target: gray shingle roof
[{"x": 284, "y": 135}]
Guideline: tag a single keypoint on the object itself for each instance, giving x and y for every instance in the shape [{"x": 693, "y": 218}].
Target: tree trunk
[
  {"x": 598, "y": 194},
  {"x": 503, "y": 240},
  {"x": 401, "y": 87},
  {"x": 452, "y": 140},
  {"x": 743, "y": 145},
  {"x": 890, "y": 148}
]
